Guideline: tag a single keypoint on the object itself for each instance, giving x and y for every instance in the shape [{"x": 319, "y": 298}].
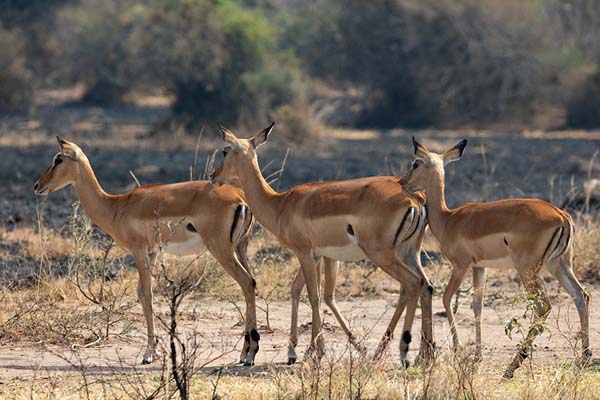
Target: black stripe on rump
[
  {"x": 402, "y": 224},
  {"x": 236, "y": 217}
]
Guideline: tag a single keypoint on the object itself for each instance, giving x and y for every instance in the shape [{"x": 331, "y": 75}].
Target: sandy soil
[{"x": 219, "y": 326}]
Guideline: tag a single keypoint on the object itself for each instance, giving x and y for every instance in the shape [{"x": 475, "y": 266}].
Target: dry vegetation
[
  {"x": 86, "y": 326},
  {"x": 70, "y": 325}
]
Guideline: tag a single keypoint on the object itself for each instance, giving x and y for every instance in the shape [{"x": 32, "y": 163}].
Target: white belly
[
  {"x": 350, "y": 252},
  {"x": 505, "y": 262},
  {"x": 194, "y": 245}
]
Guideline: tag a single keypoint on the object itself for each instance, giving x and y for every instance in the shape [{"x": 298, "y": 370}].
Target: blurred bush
[
  {"x": 425, "y": 63},
  {"x": 94, "y": 39},
  {"x": 15, "y": 77},
  {"x": 578, "y": 23},
  {"x": 218, "y": 58},
  {"x": 384, "y": 63},
  {"x": 583, "y": 108}
]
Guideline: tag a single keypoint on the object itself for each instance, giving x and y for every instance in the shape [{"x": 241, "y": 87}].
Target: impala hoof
[
  {"x": 248, "y": 362},
  {"x": 147, "y": 359},
  {"x": 292, "y": 356},
  {"x": 509, "y": 373},
  {"x": 405, "y": 363}
]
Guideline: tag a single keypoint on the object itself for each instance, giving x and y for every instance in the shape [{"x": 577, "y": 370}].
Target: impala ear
[
  {"x": 68, "y": 149},
  {"x": 229, "y": 137},
  {"x": 420, "y": 150},
  {"x": 455, "y": 152},
  {"x": 262, "y": 136},
  {"x": 61, "y": 143}
]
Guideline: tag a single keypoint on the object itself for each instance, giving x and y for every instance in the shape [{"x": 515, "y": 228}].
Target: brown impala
[
  {"x": 343, "y": 220},
  {"x": 190, "y": 216},
  {"x": 524, "y": 234}
]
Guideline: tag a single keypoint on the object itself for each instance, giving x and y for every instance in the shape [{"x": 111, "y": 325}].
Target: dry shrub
[
  {"x": 296, "y": 126},
  {"x": 587, "y": 251}
]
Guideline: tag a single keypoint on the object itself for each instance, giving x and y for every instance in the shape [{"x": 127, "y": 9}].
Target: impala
[
  {"x": 192, "y": 217},
  {"x": 525, "y": 234},
  {"x": 344, "y": 220},
  {"x": 330, "y": 269}
]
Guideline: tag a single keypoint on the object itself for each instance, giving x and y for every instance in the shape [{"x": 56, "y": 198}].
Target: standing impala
[
  {"x": 344, "y": 220},
  {"x": 331, "y": 267},
  {"x": 191, "y": 217},
  {"x": 525, "y": 234}
]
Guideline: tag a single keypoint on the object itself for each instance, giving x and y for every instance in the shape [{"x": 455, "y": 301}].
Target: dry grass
[{"x": 340, "y": 376}]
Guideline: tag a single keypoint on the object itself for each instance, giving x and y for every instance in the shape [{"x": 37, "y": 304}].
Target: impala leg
[
  {"x": 409, "y": 296},
  {"x": 297, "y": 286},
  {"x": 247, "y": 283},
  {"x": 534, "y": 286},
  {"x": 427, "y": 349},
  {"x": 241, "y": 252},
  {"x": 477, "y": 305},
  {"x": 144, "y": 292},
  {"x": 562, "y": 271},
  {"x": 458, "y": 274},
  {"x": 331, "y": 268},
  {"x": 412, "y": 301},
  {"x": 312, "y": 286},
  {"x": 389, "y": 332}
]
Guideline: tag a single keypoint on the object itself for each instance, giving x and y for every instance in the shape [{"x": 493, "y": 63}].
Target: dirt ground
[
  {"x": 496, "y": 165},
  {"x": 219, "y": 327}
]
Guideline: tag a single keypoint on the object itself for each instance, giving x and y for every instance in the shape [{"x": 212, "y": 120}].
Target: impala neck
[
  {"x": 261, "y": 197},
  {"x": 98, "y": 205},
  {"x": 437, "y": 211}
]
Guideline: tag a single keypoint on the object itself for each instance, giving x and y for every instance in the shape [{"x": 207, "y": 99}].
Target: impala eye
[
  {"x": 415, "y": 165},
  {"x": 224, "y": 153},
  {"x": 58, "y": 160}
]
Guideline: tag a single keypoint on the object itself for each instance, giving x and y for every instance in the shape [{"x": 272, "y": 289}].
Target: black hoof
[
  {"x": 405, "y": 364},
  {"x": 291, "y": 360}
]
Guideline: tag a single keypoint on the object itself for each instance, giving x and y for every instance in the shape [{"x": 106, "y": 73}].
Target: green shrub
[
  {"x": 15, "y": 78},
  {"x": 218, "y": 58}
]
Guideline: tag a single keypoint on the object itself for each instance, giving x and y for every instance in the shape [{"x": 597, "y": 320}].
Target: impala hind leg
[
  {"x": 534, "y": 286},
  {"x": 331, "y": 268},
  {"x": 144, "y": 262},
  {"x": 411, "y": 282},
  {"x": 562, "y": 271},
  {"x": 477, "y": 305},
  {"x": 233, "y": 267},
  {"x": 458, "y": 274}
]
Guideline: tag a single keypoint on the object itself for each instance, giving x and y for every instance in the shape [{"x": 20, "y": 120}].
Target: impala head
[
  {"x": 238, "y": 154},
  {"x": 428, "y": 163},
  {"x": 62, "y": 170}
]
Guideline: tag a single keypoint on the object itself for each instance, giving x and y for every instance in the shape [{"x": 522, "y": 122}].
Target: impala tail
[
  {"x": 242, "y": 222},
  {"x": 560, "y": 243}
]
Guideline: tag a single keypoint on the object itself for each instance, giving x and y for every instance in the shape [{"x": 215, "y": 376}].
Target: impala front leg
[
  {"x": 297, "y": 286},
  {"x": 308, "y": 264},
  {"x": 478, "y": 291},
  {"x": 456, "y": 279},
  {"x": 144, "y": 292}
]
